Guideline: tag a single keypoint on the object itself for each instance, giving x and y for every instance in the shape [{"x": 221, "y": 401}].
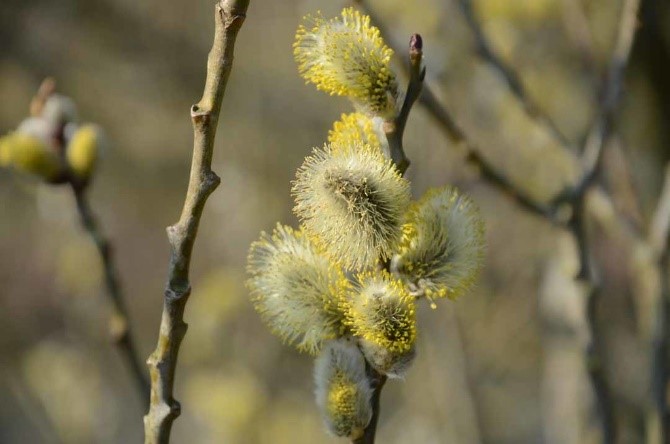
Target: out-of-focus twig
[
  {"x": 659, "y": 240},
  {"x": 510, "y": 76},
  {"x": 120, "y": 322},
  {"x": 164, "y": 409},
  {"x": 119, "y": 327},
  {"x": 592, "y": 160},
  {"x": 579, "y": 31},
  {"x": 660, "y": 222}
]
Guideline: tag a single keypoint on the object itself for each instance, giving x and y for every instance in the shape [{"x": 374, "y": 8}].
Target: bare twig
[
  {"x": 120, "y": 323},
  {"x": 164, "y": 409},
  {"x": 395, "y": 128},
  {"x": 660, "y": 223},
  {"x": 600, "y": 131},
  {"x": 509, "y": 75}
]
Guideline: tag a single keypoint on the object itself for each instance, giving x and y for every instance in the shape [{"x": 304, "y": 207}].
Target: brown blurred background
[{"x": 503, "y": 365}]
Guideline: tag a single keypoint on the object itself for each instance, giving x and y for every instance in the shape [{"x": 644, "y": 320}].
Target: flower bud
[
  {"x": 297, "y": 291},
  {"x": 343, "y": 391}
]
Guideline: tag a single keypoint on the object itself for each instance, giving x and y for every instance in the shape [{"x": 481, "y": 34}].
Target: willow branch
[
  {"x": 164, "y": 409},
  {"x": 395, "y": 129},
  {"x": 486, "y": 52},
  {"x": 120, "y": 323}
]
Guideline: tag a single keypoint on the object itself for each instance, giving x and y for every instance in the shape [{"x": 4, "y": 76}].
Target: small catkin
[
  {"x": 381, "y": 313},
  {"x": 443, "y": 245},
  {"x": 351, "y": 201},
  {"x": 297, "y": 291},
  {"x": 343, "y": 391},
  {"x": 346, "y": 56},
  {"x": 83, "y": 150},
  {"x": 29, "y": 154}
]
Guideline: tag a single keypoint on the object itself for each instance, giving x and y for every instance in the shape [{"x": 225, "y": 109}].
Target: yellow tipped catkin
[
  {"x": 83, "y": 149},
  {"x": 443, "y": 245},
  {"x": 297, "y": 291},
  {"x": 29, "y": 154},
  {"x": 381, "y": 312},
  {"x": 342, "y": 389},
  {"x": 346, "y": 56},
  {"x": 358, "y": 129},
  {"x": 351, "y": 201}
]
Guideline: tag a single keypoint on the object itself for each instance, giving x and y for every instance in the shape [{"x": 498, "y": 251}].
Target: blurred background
[{"x": 505, "y": 364}]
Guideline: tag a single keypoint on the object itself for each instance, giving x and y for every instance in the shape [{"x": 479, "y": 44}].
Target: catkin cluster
[
  {"x": 52, "y": 145},
  {"x": 344, "y": 285}
]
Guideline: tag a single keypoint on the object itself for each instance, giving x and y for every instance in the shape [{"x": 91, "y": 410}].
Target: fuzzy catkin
[
  {"x": 351, "y": 201},
  {"x": 381, "y": 313},
  {"x": 346, "y": 56},
  {"x": 343, "y": 391},
  {"x": 443, "y": 244},
  {"x": 297, "y": 291}
]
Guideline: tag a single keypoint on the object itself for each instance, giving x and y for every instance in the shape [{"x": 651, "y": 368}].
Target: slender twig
[
  {"x": 120, "y": 323},
  {"x": 164, "y": 409},
  {"x": 579, "y": 31},
  {"x": 485, "y": 50},
  {"x": 395, "y": 129},
  {"x": 377, "y": 381},
  {"x": 595, "y": 145},
  {"x": 600, "y": 131}
]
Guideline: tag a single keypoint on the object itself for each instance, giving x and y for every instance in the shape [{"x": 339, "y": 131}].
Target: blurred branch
[
  {"x": 164, "y": 409},
  {"x": 592, "y": 161},
  {"x": 120, "y": 322},
  {"x": 509, "y": 75},
  {"x": 660, "y": 223},
  {"x": 659, "y": 237},
  {"x": 600, "y": 131},
  {"x": 579, "y": 31}
]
